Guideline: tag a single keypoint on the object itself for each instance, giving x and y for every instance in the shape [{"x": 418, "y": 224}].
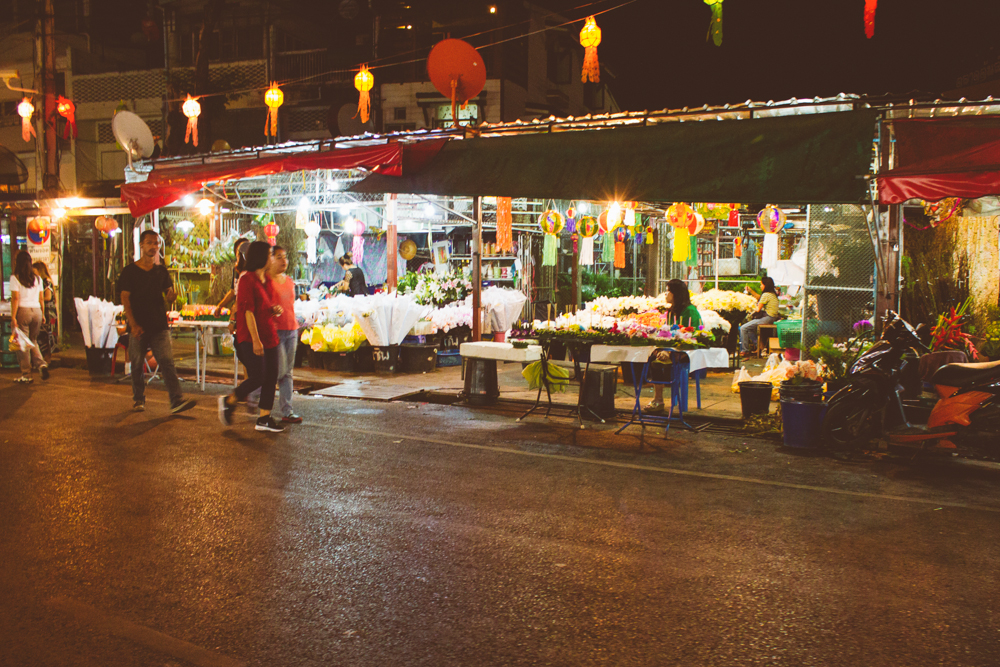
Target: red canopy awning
[
  {"x": 166, "y": 184},
  {"x": 944, "y": 157}
]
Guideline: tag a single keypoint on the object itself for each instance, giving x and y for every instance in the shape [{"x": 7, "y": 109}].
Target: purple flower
[{"x": 863, "y": 325}]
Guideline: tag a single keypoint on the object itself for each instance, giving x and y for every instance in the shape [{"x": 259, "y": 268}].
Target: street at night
[{"x": 418, "y": 534}]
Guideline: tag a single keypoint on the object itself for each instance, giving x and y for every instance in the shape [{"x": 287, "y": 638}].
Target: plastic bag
[
  {"x": 772, "y": 362},
  {"x": 21, "y": 340},
  {"x": 558, "y": 376},
  {"x": 741, "y": 375}
]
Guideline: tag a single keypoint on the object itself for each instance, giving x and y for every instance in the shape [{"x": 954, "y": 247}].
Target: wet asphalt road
[{"x": 402, "y": 534}]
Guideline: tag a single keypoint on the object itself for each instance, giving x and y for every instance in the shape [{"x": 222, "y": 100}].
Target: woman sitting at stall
[
  {"x": 767, "y": 313},
  {"x": 354, "y": 278},
  {"x": 682, "y": 312}
]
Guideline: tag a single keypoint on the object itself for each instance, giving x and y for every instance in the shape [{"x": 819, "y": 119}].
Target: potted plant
[
  {"x": 802, "y": 383},
  {"x": 837, "y": 358}
]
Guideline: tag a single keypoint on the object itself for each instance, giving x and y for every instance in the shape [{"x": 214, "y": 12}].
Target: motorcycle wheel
[{"x": 847, "y": 426}]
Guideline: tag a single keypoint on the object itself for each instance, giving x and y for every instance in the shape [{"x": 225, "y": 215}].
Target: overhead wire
[{"x": 385, "y": 65}]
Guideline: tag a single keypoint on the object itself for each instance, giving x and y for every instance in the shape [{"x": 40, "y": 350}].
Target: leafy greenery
[{"x": 838, "y": 359}]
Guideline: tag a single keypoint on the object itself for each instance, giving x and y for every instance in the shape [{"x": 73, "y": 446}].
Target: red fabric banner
[
  {"x": 166, "y": 184},
  {"x": 945, "y": 157}
]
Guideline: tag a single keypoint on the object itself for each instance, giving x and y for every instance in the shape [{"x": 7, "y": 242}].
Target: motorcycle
[{"x": 882, "y": 399}]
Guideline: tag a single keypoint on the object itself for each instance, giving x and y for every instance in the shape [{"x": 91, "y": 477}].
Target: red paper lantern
[
  {"x": 38, "y": 230},
  {"x": 67, "y": 110},
  {"x": 271, "y": 232},
  {"x": 105, "y": 225}
]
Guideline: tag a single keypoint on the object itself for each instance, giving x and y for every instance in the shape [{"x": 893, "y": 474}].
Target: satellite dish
[
  {"x": 457, "y": 71},
  {"x": 12, "y": 170},
  {"x": 133, "y": 135},
  {"x": 344, "y": 122}
]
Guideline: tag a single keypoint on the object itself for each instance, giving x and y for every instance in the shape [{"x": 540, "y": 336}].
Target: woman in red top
[{"x": 256, "y": 339}]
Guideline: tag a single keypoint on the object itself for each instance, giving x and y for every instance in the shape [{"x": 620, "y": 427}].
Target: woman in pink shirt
[{"x": 288, "y": 333}]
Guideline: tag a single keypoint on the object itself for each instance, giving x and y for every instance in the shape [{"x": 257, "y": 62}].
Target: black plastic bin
[
  {"x": 363, "y": 361},
  {"x": 99, "y": 361},
  {"x": 755, "y": 398},
  {"x": 417, "y": 358},
  {"x": 806, "y": 392},
  {"x": 385, "y": 358},
  {"x": 342, "y": 362}
]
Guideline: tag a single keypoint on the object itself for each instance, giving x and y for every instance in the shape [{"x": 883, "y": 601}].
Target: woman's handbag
[{"x": 760, "y": 314}]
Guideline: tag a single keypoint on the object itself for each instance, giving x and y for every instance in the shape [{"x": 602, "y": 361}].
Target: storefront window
[{"x": 467, "y": 116}]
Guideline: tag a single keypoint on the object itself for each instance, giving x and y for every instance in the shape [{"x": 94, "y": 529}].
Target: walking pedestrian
[
  {"x": 256, "y": 339},
  {"x": 46, "y": 339},
  {"x": 142, "y": 285},
  {"x": 26, "y": 307},
  {"x": 288, "y": 333}
]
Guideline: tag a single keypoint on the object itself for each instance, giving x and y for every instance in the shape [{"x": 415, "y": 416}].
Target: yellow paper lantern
[
  {"x": 191, "y": 109},
  {"x": 364, "y": 81},
  {"x": 590, "y": 38},
  {"x": 681, "y": 217},
  {"x": 273, "y": 98},
  {"x": 25, "y": 109}
]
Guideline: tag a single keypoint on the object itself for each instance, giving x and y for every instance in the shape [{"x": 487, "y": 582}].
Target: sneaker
[
  {"x": 653, "y": 407},
  {"x": 291, "y": 419},
  {"x": 183, "y": 406},
  {"x": 268, "y": 424},
  {"x": 226, "y": 411},
  {"x": 25, "y": 379},
  {"x": 139, "y": 406},
  {"x": 45, "y": 372}
]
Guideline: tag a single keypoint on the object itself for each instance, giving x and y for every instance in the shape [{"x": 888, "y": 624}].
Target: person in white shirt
[{"x": 26, "y": 308}]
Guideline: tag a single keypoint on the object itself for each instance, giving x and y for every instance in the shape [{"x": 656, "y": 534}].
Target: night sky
[{"x": 776, "y": 49}]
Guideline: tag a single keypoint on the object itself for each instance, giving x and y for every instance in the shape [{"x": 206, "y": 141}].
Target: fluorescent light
[
  {"x": 205, "y": 206},
  {"x": 188, "y": 200},
  {"x": 185, "y": 226}
]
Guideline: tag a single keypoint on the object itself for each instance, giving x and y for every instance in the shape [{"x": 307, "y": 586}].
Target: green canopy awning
[{"x": 815, "y": 158}]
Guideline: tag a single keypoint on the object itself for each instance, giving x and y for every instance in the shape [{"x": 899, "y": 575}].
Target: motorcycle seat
[{"x": 960, "y": 375}]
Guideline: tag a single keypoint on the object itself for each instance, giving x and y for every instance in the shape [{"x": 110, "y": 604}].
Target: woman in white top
[{"x": 26, "y": 307}]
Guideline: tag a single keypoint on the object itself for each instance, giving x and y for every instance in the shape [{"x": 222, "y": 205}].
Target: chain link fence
[{"x": 839, "y": 289}]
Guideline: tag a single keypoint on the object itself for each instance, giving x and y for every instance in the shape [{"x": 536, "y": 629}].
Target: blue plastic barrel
[{"x": 801, "y": 424}]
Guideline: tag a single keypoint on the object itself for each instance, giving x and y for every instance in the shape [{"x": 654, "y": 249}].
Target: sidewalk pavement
[{"x": 718, "y": 403}]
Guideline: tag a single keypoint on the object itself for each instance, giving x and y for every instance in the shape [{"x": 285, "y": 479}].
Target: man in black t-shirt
[{"x": 142, "y": 285}]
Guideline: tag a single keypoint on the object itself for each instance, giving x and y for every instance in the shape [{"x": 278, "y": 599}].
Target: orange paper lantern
[
  {"x": 870, "y": 7},
  {"x": 590, "y": 38},
  {"x": 273, "y": 98},
  {"x": 364, "y": 81},
  {"x": 271, "y": 232}
]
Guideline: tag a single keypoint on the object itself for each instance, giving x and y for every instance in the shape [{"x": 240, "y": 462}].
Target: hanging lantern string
[{"x": 353, "y": 70}]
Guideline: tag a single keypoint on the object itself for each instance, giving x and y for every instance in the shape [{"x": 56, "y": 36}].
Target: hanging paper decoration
[
  {"x": 737, "y": 247},
  {"x": 715, "y": 27},
  {"x": 697, "y": 225},
  {"x": 608, "y": 248},
  {"x": 312, "y": 231},
  {"x": 587, "y": 226},
  {"x": 271, "y": 232},
  {"x": 191, "y": 109},
  {"x": 364, "y": 81},
  {"x": 772, "y": 220},
  {"x": 734, "y": 218},
  {"x": 629, "y": 219},
  {"x": 302, "y": 213},
  {"x": 571, "y": 220},
  {"x": 649, "y": 235},
  {"x": 870, "y": 7},
  {"x": 620, "y": 235},
  {"x": 680, "y": 216},
  {"x": 590, "y": 38},
  {"x": 67, "y": 110},
  {"x": 273, "y": 98},
  {"x": 358, "y": 247},
  {"x": 505, "y": 237},
  {"x": 24, "y": 110},
  {"x": 943, "y": 211},
  {"x": 105, "y": 225},
  {"x": 552, "y": 224}
]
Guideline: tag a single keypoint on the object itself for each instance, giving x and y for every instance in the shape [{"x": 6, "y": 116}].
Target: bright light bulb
[
  {"x": 493, "y": 9},
  {"x": 185, "y": 226},
  {"x": 188, "y": 200},
  {"x": 345, "y": 209},
  {"x": 428, "y": 210},
  {"x": 58, "y": 213},
  {"x": 205, "y": 206}
]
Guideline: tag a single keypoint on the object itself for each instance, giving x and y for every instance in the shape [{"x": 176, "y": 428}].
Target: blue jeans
[
  {"x": 159, "y": 344},
  {"x": 288, "y": 341},
  {"x": 748, "y": 332}
]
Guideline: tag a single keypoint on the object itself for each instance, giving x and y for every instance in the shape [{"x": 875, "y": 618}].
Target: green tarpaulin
[{"x": 816, "y": 158}]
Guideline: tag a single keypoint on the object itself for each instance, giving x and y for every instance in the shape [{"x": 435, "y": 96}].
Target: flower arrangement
[
  {"x": 626, "y": 333},
  {"x": 202, "y": 312},
  {"x": 837, "y": 358},
  {"x": 333, "y": 338},
  {"x": 718, "y": 300},
  {"x": 947, "y": 334},
  {"x": 451, "y": 316},
  {"x": 437, "y": 290},
  {"x": 802, "y": 372},
  {"x": 712, "y": 321},
  {"x": 626, "y": 305}
]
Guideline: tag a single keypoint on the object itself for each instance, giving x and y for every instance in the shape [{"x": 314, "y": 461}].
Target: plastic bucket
[
  {"x": 755, "y": 398},
  {"x": 808, "y": 392},
  {"x": 363, "y": 361},
  {"x": 499, "y": 336},
  {"x": 417, "y": 358},
  {"x": 801, "y": 424},
  {"x": 342, "y": 362},
  {"x": 99, "y": 361},
  {"x": 385, "y": 358}
]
